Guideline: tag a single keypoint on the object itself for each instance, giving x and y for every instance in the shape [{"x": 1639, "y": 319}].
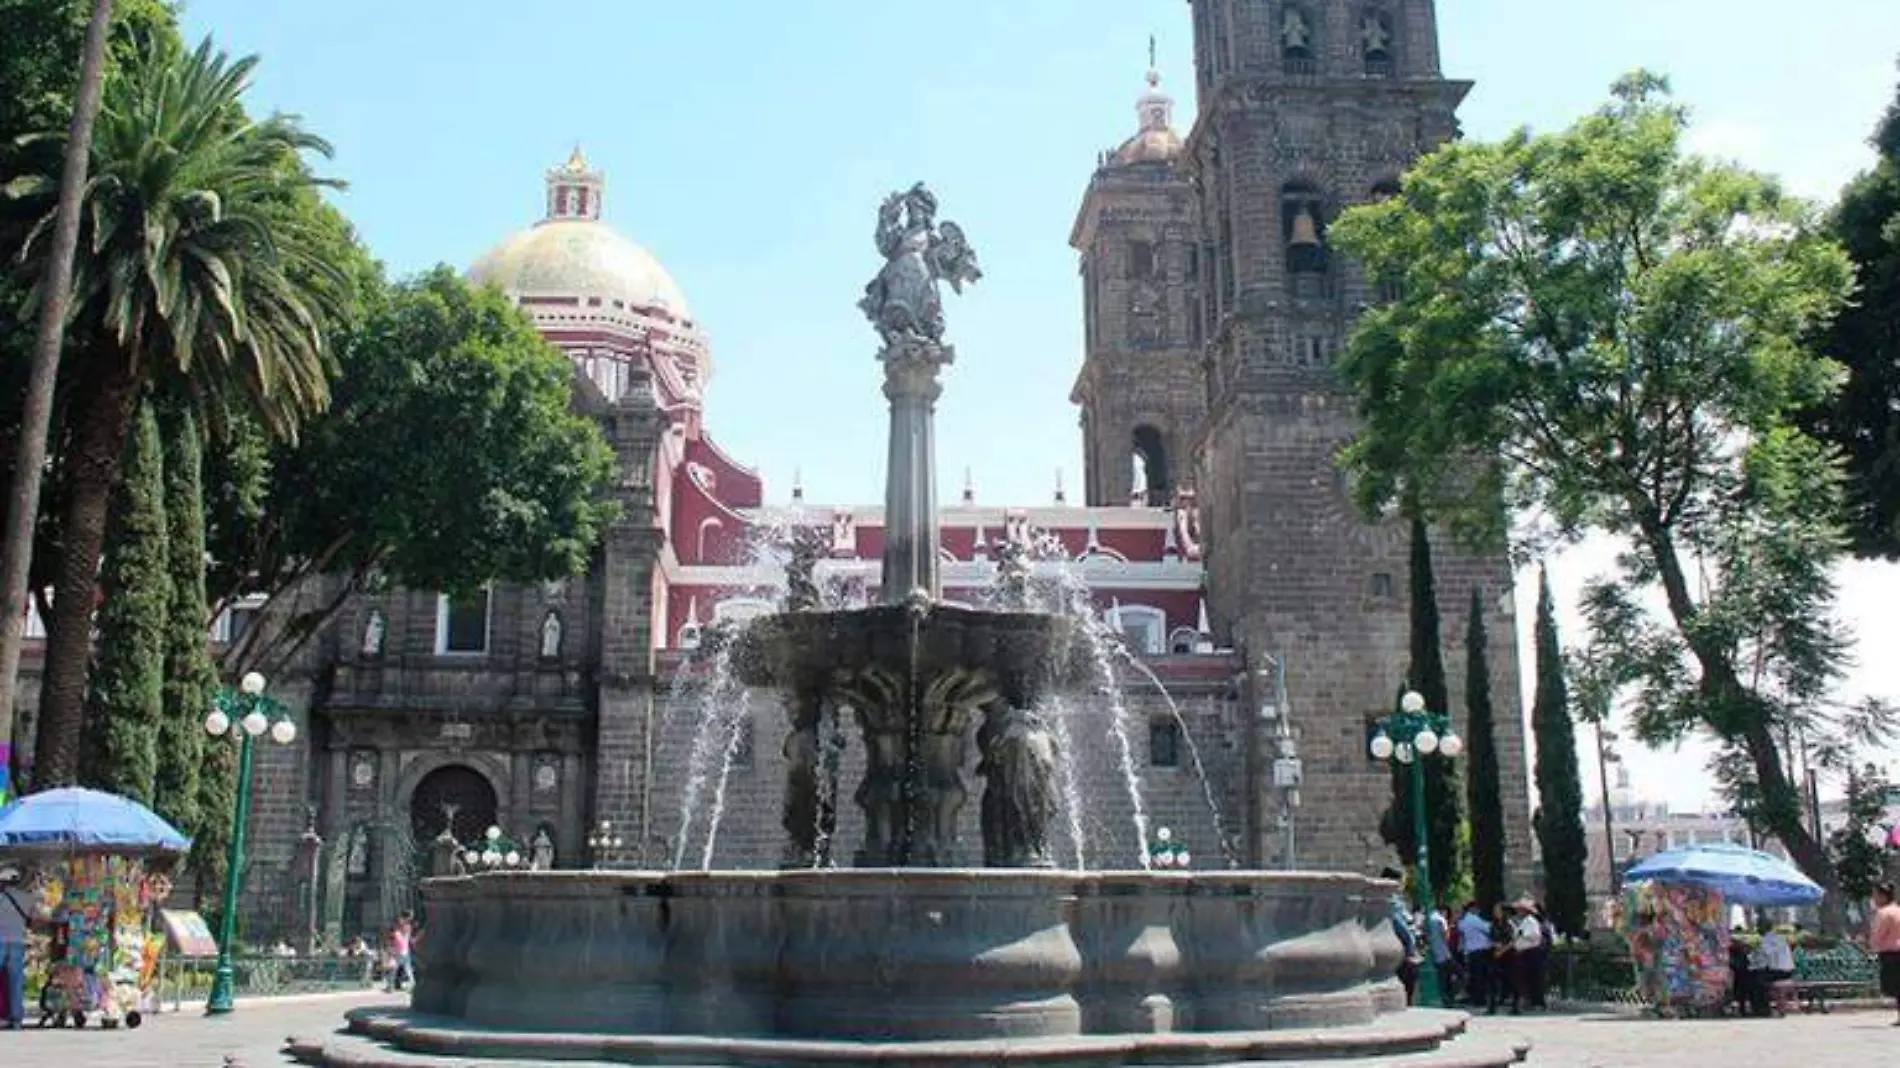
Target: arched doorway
[{"x": 457, "y": 791}]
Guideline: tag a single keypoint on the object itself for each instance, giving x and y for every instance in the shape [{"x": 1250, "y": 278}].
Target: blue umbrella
[
  {"x": 74, "y": 820},
  {"x": 1743, "y": 876}
]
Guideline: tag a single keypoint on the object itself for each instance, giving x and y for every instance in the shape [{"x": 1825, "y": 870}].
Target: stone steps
[{"x": 1417, "y": 1039}]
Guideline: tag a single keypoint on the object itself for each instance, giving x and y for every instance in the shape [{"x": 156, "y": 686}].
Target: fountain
[{"x": 909, "y": 955}]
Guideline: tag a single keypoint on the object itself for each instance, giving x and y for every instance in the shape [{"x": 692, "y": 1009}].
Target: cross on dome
[
  {"x": 575, "y": 189},
  {"x": 1155, "y": 107}
]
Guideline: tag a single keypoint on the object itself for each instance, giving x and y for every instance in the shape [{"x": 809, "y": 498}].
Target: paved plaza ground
[{"x": 254, "y": 1034}]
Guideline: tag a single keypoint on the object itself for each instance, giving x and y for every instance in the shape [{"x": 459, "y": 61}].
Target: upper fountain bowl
[{"x": 1017, "y": 655}]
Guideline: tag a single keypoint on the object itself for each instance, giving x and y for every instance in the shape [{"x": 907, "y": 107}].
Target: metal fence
[{"x": 182, "y": 979}]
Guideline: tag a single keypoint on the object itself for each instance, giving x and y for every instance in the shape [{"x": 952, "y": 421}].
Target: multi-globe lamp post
[
  {"x": 604, "y": 843},
  {"x": 244, "y": 715},
  {"x": 496, "y": 851},
  {"x": 1408, "y": 736}
]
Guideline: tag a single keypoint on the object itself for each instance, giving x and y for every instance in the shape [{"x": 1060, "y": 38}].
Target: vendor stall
[{"x": 98, "y": 864}]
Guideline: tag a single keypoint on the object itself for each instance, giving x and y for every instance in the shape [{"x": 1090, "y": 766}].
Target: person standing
[
  {"x": 17, "y": 909},
  {"x": 401, "y": 943},
  {"x": 1527, "y": 938},
  {"x": 1438, "y": 944},
  {"x": 1401, "y": 918},
  {"x": 1474, "y": 936},
  {"x": 1883, "y": 940}
]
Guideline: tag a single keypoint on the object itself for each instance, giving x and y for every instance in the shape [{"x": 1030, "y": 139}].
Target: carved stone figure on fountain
[
  {"x": 810, "y": 812},
  {"x": 1012, "y": 576},
  {"x": 807, "y": 546},
  {"x": 1019, "y": 799},
  {"x": 902, "y": 302}
]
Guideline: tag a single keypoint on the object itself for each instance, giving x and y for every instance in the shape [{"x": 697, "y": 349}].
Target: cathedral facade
[{"x": 1214, "y": 533}]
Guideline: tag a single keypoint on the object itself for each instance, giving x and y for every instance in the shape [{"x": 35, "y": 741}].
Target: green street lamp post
[
  {"x": 1408, "y": 736},
  {"x": 243, "y": 715}
]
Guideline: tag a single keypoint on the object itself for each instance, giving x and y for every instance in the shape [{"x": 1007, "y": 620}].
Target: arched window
[
  {"x": 1152, "y": 476},
  {"x": 1303, "y": 228},
  {"x": 1144, "y": 627}
]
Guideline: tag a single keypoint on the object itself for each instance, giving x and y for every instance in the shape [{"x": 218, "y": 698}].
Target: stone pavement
[
  {"x": 255, "y": 1034},
  {"x": 1607, "y": 1040}
]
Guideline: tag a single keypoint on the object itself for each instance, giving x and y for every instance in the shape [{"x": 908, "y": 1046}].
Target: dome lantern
[
  {"x": 1155, "y": 140},
  {"x": 574, "y": 189}
]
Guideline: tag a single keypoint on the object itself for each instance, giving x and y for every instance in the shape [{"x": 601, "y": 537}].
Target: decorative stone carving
[
  {"x": 541, "y": 851},
  {"x": 551, "y": 635},
  {"x": 813, "y": 751},
  {"x": 801, "y": 585},
  {"x": 1012, "y": 576},
  {"x": 547, "y": 775},
  {"x": 375, "y": 630},
  {"x": 554, "y": 590},
  {"x": 362, "y": 771},
  {"x": 1020, "y": 800},
  {"x": 902, "y": 301}
]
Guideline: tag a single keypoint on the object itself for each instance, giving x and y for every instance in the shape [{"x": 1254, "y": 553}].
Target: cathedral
[{"x": 1264, "y": 622}]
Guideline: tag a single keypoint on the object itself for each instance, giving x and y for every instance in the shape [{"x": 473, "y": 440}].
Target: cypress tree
[
  {"x": 1559, "y": 784},
  {"x": 189, "y": 674},
  {"x": 1443, "y": 800},
  {"x": 126, "y": 698},
  {"x": 1481, "y": 773}
]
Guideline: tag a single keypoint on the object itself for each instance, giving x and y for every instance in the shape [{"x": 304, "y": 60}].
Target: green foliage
[
  {"x": 1560, "y": 830},
  {"x": 1858, "y": 846},
  {"x": 199, "y": 259},
  {"x": 1863, "y": 421},
  {"x": 450, "y": 459},
  {"x": 217, "y": 812},
  {"x": 1620, "y": 330},
  {"x": 1483, "y": 781},
  {"x": 189, "y": 674},
  {"x": 1443, "y": 801},
  {"x": 127, "y": 699}
]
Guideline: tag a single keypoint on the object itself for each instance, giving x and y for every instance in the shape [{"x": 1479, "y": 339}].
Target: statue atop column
[{"x": 902, "y": 302}]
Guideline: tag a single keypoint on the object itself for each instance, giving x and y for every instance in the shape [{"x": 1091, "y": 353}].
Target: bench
[{"x": 1832, "y": 974}]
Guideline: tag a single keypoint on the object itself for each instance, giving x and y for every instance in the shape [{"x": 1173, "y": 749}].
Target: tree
[
  {"x": 1482, "y": 779},
  {"x": 189, "y": 673},
  {"x": 194, "y": 262},
  {"x": 1560, "y": 831},
  {"x": 1859, "y": 845},
  {"x": 1444, "y": 811},
  {"x": 370, "y": 493},
  {"x": 127, "y": 704},
  {"x": 1615, "y": 331},
  {"x": 1863, "y": 419},
  {"x": 36, "y": 411}
]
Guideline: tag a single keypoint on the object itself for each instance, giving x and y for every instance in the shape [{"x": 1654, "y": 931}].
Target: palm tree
[
  {"x": 197, "y": 258},
  {"x": 23, "y": 502}
]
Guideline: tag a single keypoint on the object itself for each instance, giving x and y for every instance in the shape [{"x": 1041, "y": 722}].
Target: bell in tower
[{"x": 1305, "y": 251}]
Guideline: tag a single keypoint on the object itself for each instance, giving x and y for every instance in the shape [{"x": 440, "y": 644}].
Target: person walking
[
  {"x": 1883, "y": 940},
  {"x": 17, "y": 910}
]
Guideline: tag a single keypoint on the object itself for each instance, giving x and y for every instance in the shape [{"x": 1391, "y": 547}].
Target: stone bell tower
[
  {"x": 1140, "y": 385},
  {"x": 1307, "y": 107}
]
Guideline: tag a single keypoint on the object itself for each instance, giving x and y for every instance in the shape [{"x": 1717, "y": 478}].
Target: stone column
[{"x": 910, "y": 487}]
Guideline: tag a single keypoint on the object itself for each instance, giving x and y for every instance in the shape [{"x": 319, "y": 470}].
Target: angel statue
[{"x": 902, "y": 301}]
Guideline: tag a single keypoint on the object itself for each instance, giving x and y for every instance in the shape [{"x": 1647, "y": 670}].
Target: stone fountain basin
[
  {"x": 1022, "y": 652},
  {"x": 906, "y": 955}
]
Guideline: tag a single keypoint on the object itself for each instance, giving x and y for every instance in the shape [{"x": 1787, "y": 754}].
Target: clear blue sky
[{"x": 747, "y": 143}]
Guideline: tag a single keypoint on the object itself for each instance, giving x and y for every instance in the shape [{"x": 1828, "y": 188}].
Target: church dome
[{"x": 572, "y": 253}]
